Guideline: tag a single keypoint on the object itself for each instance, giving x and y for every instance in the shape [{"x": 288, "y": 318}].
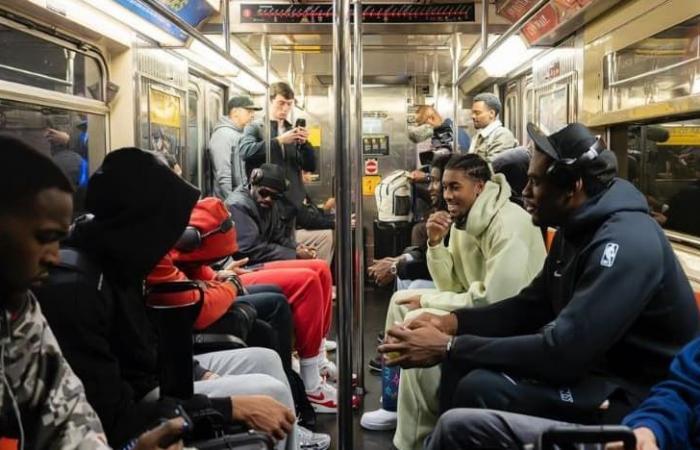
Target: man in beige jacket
[{"x": 491, "y": 137}]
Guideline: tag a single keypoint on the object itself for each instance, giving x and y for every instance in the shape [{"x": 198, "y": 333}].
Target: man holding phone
[{"x": 289, "y": 149}]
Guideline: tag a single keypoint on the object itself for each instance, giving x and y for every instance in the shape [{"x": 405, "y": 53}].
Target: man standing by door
[
  {"x": 491, "y": 137},
  {"x": 228, "y": 166}
]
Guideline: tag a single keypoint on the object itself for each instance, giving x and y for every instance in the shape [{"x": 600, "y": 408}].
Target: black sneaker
[{"x": 375, "y": 365}]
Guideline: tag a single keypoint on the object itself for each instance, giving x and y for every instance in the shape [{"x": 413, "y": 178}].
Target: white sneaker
[
  {"x": 309, "y": 439},
  {"x": 328, "y": 370},
  {"x": 379, "y": 420},
  {"x": 324, "y": 399},
  {"x": 329, "y": 345}
]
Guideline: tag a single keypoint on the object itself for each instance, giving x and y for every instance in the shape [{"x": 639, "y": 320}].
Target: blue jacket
[{"x": 672, "y": 410}]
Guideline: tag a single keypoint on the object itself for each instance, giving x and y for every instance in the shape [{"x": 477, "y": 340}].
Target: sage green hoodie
[{"x": 497, "y": 254}]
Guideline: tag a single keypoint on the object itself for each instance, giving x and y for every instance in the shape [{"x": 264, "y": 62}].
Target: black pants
[{"x": 578, "y": 403}]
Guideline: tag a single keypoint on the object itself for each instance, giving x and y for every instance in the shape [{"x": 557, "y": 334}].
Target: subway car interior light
[{"x": 349, "y": 224}]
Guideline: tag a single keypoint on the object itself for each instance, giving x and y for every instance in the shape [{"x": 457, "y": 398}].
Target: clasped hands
[{"x": 421, "y": 342}]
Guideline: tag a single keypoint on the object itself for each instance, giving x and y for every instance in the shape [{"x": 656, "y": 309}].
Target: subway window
[
  {"x": 663, "y": 160},
  {"x": 74, "y": 140},
  {"x": 32, "y": 61}
]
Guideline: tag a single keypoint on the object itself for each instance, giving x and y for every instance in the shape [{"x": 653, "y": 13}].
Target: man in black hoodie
[
  {"x": 139, "y": 208},
  {"x": 595, "y": 329}
]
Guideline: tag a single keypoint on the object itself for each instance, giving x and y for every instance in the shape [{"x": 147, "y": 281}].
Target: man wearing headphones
[
  {"x": 595, "y": 329},
  {"x": 265, "y": 226}
]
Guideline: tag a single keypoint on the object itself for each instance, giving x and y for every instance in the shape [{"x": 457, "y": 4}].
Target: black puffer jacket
[{"x": 611, "y": 300}]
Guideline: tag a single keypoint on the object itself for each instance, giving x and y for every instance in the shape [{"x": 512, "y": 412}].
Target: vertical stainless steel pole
[
  {"x": 456, "y": 50},
  {"x": 267, "y": 126},
  {"x": 484, "y": 25},
  {"x": 435, "y": 75},
  {"x": 359, "y": 231},
  {"x": 226, "y": 16},
  {"x": 343, "y": 230}
]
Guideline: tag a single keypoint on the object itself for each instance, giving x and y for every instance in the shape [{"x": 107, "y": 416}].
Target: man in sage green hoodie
[{"x": 494, "y": 251}]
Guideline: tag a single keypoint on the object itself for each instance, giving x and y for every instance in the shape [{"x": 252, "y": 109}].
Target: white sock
[
  {"x": 322, "y": 351},
  {"x": 310, "y": 373}
]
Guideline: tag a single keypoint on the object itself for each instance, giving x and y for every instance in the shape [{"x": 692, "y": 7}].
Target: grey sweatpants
[
  {"x": 246, "y": 371},
  {"x": 482, "y": 429}
]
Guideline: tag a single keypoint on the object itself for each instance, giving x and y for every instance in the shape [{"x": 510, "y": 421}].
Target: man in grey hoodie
[{"x": 228, "y": 166}]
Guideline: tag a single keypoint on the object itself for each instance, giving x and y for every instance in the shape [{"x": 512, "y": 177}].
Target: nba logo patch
[{"x": 609, "y": 254}]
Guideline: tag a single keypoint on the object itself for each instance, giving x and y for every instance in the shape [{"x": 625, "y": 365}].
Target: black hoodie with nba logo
[{"x": 612, "y": 301}]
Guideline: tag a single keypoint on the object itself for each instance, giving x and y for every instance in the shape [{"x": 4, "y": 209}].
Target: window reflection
[
  {"x": 660, "y": 68},
  {"x": 74, "y": 140},
  {"x": 664, "y": 162},
  {"x": 32, "y": 61}
]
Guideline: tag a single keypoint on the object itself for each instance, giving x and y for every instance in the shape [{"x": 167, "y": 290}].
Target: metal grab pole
[
  {"x": 267, "y": 125},
  {"x": 484, "y": 26},
  {"x": 343, "y": 176},
  {"x": 456, "y": 50},
  {"x": 435, "y": 78},
  {"x": 359, "y": 231},
  {"x": 226, "y": 25}
]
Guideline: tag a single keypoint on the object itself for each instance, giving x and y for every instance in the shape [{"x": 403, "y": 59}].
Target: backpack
[{"x": 394, "y": 199}]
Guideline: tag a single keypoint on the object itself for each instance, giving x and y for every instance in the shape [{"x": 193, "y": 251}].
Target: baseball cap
[
  {"x": 273, "y": 177},
  {"x": 570, "y": 143},
  {"x": 242, "y": 102}
]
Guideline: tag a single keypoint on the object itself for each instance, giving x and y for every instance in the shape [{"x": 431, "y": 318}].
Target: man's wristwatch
[{"x": 450, "y": 343}]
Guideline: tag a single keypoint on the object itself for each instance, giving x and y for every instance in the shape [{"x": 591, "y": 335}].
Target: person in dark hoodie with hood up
[
  {"x": 139, "y": 208},
  {"x": 595, "y": 329}
]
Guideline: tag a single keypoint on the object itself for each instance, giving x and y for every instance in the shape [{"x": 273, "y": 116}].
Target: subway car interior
[{"x": 386, "y": 125}]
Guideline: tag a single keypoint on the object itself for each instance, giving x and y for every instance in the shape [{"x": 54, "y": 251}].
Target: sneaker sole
[
  {"x": 377, "y": 427},
  {"x": 323, "y": 409}
]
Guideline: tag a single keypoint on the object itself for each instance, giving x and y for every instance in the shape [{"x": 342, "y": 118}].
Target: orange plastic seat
[{"x": 8, "y": 444}]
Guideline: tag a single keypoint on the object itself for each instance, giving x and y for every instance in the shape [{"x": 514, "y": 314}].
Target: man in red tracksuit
[{"x": 307, "y": 284}]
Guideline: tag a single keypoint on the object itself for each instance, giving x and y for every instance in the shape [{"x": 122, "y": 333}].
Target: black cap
[
  {"x": 242, "y": 102},
  {"x": 570, "y": 143},
  {"x": 273, "y": 177}
]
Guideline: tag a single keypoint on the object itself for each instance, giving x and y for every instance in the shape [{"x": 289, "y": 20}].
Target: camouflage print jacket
[{"x": 51, "y": 399}]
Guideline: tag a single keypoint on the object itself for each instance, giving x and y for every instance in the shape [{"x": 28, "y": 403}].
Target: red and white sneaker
[{"x": 325, "y": 399}]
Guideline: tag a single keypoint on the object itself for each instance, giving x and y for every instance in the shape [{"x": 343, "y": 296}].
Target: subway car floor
[{"x": 376, "y": 302}]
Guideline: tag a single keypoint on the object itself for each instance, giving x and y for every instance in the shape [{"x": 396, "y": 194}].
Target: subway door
[
  {"x": 213, "y": 107},
  {"x": 192, "y": 170},
  {"x": 511, "y": 109}
]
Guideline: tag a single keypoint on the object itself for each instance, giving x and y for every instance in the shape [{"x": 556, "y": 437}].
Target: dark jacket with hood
[
  {"x": 292, "y": 157},
  {"x": 612, "y": 301},
  {"x": 263, "y": 234},
  {"x": 140, "y": 209}
]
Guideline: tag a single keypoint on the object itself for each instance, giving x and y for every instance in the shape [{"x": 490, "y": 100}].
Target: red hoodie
[{"x": 207, "y": 215}]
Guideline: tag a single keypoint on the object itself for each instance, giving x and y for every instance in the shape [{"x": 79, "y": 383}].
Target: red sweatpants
[{"x": 308, "y": 285}]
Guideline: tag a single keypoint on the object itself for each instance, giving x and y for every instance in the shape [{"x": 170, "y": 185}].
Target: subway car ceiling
[{"x": 627, "y": 68}]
